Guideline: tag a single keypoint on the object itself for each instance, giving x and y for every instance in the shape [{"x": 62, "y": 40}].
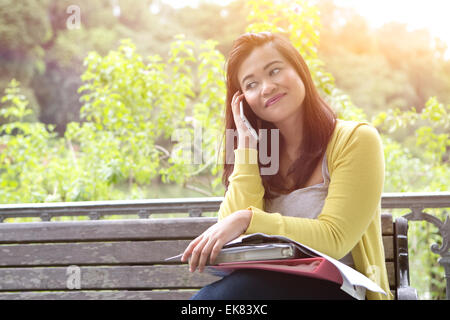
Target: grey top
[{"x": 305, "y": 203}]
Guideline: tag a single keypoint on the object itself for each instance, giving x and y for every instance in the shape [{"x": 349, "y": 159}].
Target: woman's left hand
[{"x": 210, "y": 242}]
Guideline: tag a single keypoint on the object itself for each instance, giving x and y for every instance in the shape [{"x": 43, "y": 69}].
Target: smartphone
[{"x": 247, "y": 123}]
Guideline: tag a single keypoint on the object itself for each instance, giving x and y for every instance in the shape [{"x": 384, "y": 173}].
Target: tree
[{"x": 47, "y": 57}]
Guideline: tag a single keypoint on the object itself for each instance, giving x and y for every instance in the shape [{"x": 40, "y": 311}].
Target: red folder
[{"x": 310, "y": 267}]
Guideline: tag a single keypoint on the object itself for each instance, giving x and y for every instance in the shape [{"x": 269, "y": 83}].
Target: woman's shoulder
[
  {"x": 347, "y": 132},
  {"x": 348, "y": 129}
]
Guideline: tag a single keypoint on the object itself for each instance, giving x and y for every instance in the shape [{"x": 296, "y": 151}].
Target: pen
[{"x": 174, "y": 257}]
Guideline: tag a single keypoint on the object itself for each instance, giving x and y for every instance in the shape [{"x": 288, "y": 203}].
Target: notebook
[
  {"x": 311, "y": 267},
  {"x": 254, "y": 252},
  {"x": 266, "y": 251}
]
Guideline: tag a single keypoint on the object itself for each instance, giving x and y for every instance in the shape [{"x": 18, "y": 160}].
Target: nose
[{"x": 267, "y": 88}]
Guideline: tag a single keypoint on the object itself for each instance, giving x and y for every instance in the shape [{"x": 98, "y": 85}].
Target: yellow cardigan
[{"x": 351, "y": 216}]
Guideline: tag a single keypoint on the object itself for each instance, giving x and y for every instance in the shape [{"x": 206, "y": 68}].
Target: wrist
[
  {"x": 247, "y": 143},
  {"x": 246, "y": 217}
]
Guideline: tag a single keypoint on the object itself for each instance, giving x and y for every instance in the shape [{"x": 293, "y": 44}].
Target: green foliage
[
  {"x": 17, "y": 103},
  {"x": 420, "y": 164},
  {"x": 25, "y": 149},
  {"x": 23, "y": 25},
  {"x": 217, "y": 22},
  {"x": 129, "y": 105}
]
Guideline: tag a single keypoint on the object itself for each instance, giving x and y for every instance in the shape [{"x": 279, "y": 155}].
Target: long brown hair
[{"x": 318, "y": 118}]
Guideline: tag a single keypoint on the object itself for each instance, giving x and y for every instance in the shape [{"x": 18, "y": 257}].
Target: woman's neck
[{"x": 291, "y": 132}]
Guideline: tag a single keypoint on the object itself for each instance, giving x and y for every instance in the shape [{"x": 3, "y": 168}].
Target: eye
[
  {"x": 250, "y": 85},
  {"x": 275, "y": 71}
]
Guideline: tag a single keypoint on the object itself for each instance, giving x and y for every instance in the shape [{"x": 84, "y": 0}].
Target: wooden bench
[{"x": 124, "y": 259}]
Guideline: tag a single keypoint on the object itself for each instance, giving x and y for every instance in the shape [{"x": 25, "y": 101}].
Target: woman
[{"x": 326, "y": 193}]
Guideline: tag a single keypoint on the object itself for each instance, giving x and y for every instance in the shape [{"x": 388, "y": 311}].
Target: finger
[
  {"x": 238, "y": 102},
  {"x": 196, "y": 254},
  {"x": 235, "y": 108},
  {"x": 205, "y": 254},
  {"x": 215, "y": 251},
  {"x": 188, "y": 251},
  {"x": 236, "y": 98},
  {"x": 236, "y": 94}
]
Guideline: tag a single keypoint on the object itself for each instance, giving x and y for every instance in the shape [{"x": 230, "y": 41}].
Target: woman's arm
[
  {"x": 357, "y": 179},
  {"x": 210, "y": 242},
  {"x": 245, "y": 188}
]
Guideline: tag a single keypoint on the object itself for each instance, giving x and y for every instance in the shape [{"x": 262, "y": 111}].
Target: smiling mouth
[{"x": 274, "y": 100}]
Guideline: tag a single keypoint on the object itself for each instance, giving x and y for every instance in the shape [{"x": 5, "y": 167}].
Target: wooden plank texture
[
  {"x": 116, "y": 277},
  {"x": 100, "y": 295},
  {"x": 110, "y": 277},
  {"x": 104, "y": 295},
  {"x": 128, "y": 277},
  {"x": 102, "y": 249},
  {"x": 388, "y": 244},
  {"x": 95, "y": 253},
  {"x": 132, "y": 229},
  {"x": 90, "y": 253},
  {"x": 390, "y": 268},
  {"x": 137, "y": 229},
  {"x": 387, "y": 227}
]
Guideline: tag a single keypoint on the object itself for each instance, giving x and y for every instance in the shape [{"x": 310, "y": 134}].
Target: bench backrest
[{"x": 116, "y": 259}]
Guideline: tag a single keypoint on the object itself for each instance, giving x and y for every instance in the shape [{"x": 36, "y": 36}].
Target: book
[
  {"x": 310, "y": 267},
  {"x": 352, "y": 281},
  {"x": 301, "y": 260},
  {"x": 256, "y": 252}
]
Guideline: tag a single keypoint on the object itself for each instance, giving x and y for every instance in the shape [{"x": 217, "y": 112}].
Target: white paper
[{"x": 352, "y": 279}]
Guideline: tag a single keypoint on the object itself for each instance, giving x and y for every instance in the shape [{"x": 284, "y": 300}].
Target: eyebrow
[{"x": 267, "y": 66}]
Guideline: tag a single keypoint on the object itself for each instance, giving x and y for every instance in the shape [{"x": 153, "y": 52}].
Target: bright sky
[{"x": 417, "y": 14}]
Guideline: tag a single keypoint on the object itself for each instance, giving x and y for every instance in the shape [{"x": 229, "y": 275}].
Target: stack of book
[{"x": 281, "y": 254}]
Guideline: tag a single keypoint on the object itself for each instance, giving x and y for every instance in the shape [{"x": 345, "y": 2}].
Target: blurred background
[
  {"x": 114, "y": 99},
  {"x": 384, "y": 54}
]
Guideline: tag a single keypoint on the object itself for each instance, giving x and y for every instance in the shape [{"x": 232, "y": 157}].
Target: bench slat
[
  {"x": 104, "y": 295},
  {"x": 387, "y": 227},
  {"x": 390, "y": 268},
  {"x": 136, "y": 229},
  {"x": 110, "y": 277},
  {"x": 388, "y": 244},
  {"x": 132, "y": 229},
  {"x": 128, "y": 277},
  {"x": 95, "y": 253},
  {"x": 106, "y": 243},
  {"x": 100, "y": 295}
]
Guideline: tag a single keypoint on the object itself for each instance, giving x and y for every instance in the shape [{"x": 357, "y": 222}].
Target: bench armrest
[{"x": 404, "y": 290}]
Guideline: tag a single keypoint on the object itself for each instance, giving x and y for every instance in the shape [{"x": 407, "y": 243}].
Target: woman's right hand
[{"x": 245, "y": 138}]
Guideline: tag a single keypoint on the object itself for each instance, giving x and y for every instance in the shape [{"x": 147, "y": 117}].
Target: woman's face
[{"x": 271, "y": 86}]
